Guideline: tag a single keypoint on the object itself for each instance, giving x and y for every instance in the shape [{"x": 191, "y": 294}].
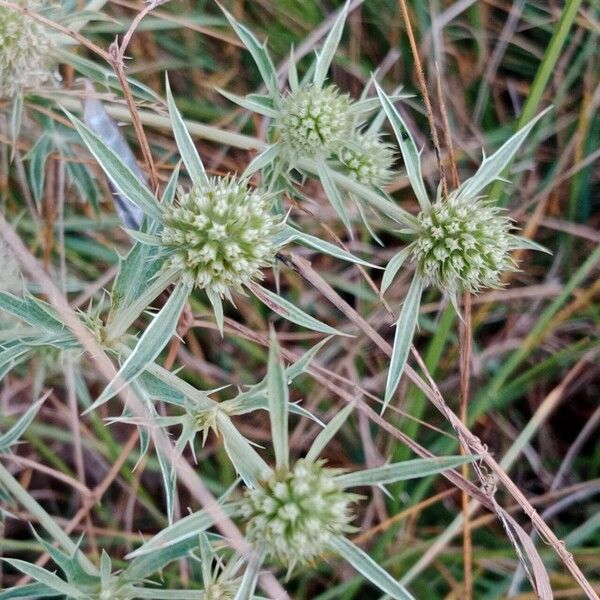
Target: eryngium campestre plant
[
  {"x": 314, "y": 121},
  {"x": 460, "y": 243},
  {"x": 221, "y": 234},
  {"x": 293, "y": 515},
  {"x": 463, "y": 244},
  {"x": 368, "y": 160},
  {"x": 25, "y": 51}
]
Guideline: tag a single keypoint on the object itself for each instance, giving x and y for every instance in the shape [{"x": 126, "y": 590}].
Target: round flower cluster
[
  {"x": 293, "y": 515},
  {"x": 463, "y": 245},
  {"x": 25, "y": 51},
  {"x": 220, "y": 590},
  {"x": 368, "y": 160},
  {"x": 221, "y": 235},
  {"x": 10, "y": 280},
  {"x": 315, "y": 121}
]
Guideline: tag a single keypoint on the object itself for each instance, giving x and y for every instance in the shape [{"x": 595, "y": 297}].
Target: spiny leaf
[
  {"x": 327, "y": 52},
  {"x": 405, "y": 329},
  {"x": 278, "y": 396},
  {"x": 188, "y": 151}
]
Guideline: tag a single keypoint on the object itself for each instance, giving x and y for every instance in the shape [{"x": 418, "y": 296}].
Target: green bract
[
  {"x": 368, "y": 160},
  {"x": 25, "y": 51},
  {"x": 294, "y": 513},
  {"x": 463, "y": 244},
  {"x": 221, "y": 235}
]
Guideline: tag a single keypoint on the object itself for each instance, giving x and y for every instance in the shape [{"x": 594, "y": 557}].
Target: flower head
[
  {"x": 368, "y": 160},
  {"x": 220, "y": 590},
  {"x": 25, "y": 51},
  {"x": 463, "y": 244},
  {"x": 10, "y": 279},
  {"x": 221, "y": 234},
  {"x": 315, "y": 121},
  {"x": 294, "y": 514}
]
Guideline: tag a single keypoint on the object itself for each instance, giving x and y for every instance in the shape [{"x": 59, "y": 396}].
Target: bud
[
  {"x": 368, "y": 160},
  {"x": 25, "y": 51},
  {"x": 221, "y": 235},
  {"x": 315, "y": 122},
  {"x": 463, "y": 244},
  {"x": 294, "y": 515}
]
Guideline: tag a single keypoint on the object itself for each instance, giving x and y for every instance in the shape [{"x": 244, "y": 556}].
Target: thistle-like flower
[
  {"x": 314, "y": 121},
  {"x": 25, "y": 51},
  {"x": 368, "y": 160},
  {"x": 221, "y": 234},
  {"x": 10, "y": 280},
  {"x": 460, "y": 243},
  {"x": 293, "y": 515},
  {"x": 294, "y": 512},
  {"x": 463, "y": 244},
  {"x": 316, "y": 128}
]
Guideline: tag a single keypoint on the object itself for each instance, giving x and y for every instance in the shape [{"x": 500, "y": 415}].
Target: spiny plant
[
  {"x": 295, "y": 512},
  {"x": 459, "y": 243},
  {"x": 318, "y": 131}
]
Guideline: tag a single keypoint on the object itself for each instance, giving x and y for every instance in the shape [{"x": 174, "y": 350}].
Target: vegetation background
[{"x": 534, "y": 368}]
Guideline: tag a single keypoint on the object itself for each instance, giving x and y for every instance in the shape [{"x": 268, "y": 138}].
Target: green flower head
[
  {"x": 463, "y": 244},
  {"x": 315, "y": 121},
  {"x": 368, "y": 160},
  {"x": 294, "y": 514},
  {"x": 25, "y": 51},
  {"x": 221, "y": 234}
]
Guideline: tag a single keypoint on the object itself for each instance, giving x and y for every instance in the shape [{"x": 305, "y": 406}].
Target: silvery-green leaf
[
  {"x": 181, "y": 530},
  {"x": 365, "y": 221},
  {"x": 518, "y": 242},
  {"x": 171, "y": 187},
  {"x": 263, "y": 160},
  {"x": 393, "y": 267},
  {"x": 291, "y": 312},
  {"x": 29, "y": 590},
  {"x": 410, "y": 153},
  {"x": 33, "y": 311},
  {"x": 493, "y": 165},
  {"x": 9, "y": 358},
  {"x": 42, "y": 576},
  {"x": 149, "y": 346},
  {"x": 16, "y": 117},
  {"x": 250, "y": 466},
  {"x": 259, "y": 54},
  {"x": 333, "y": 193},
  {"x": 120, "y": 175},
  {"x": 188, "y": 151},
  {"x": 217, "y": 303},
  {"x": 37, "y": 158},
  {"x": 285, "y": 236},
  {"x": 302, "y": 363},
  {"x": 143, "y": 238},
  {"x": 370, "y": 104},
  {"x": 327, "y": 52},
  {"x": 408, "y": 469},
  {"x": 249, "y": 104},
  {"x": 405, "y": 329},
  {"x": 369, "y": 569},
  {"x": 16, "y": 431},
  {"x": 293, "y": 72},
  {"x": 278, "y": 396},
  {"x": 327, "y": 434},
  {"x": 168, "y": 476},
  {"x": 326, "y": 247},
  {"x": 247, "y": 586}
]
